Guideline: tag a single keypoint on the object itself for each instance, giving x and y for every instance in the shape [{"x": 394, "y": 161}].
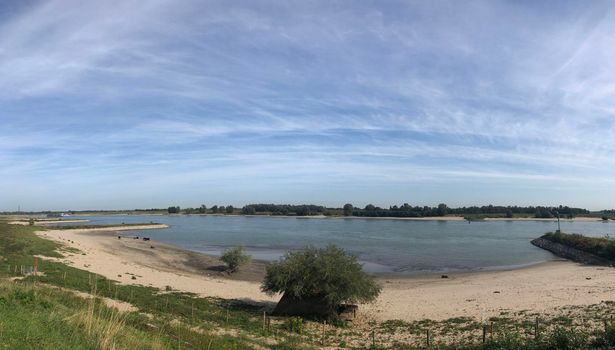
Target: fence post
[
  {"x": 322, "y": 337},
  {"x": 536, "y": 329},
  {"x": 491, "y": 332},
  {"x": 484, "y": 334},
  {"x": 373, "y": 339},
  {"x": 428, "y": 340}
]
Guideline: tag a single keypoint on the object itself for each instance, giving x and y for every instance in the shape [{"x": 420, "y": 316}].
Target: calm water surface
[{"x": 383, "y": 246}]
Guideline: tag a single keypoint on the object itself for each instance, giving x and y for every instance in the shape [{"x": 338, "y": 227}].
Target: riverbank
[{"x": 542, "y": 288}]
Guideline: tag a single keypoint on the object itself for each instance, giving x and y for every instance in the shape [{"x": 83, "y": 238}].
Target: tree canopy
[{"x": 326, "y": 274}]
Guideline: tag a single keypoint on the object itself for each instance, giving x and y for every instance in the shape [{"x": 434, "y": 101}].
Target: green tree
[
  {"x": 202, "y": 209},
  {"x": 229, "y": 209},
  {"x": 348, "y": 208},
  {"x": 442, "y": 209},
  {"x": 214, "y": 209},
  {"x": 328, "y": 275},
  {"x": 173, "y": 210},
  {"x": 248, "y": 210},
  {"x": 234, "y": 258}
]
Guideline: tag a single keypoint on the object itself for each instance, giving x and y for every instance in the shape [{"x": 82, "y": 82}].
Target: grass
[
  {"x": 603, "y": 247},
  {"x": 199, "y": 319},
  {"x": 43, "y": 312}
]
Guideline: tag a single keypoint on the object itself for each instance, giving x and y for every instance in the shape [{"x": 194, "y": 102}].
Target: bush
[
  {"x": 294, "y": 324},
  {"x": 234, "y": 258},
  {"x": 328, "y": 275},
  {"x": 564, "y": 339}
]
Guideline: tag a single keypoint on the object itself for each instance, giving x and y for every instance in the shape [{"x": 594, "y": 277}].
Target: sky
[{"x": 141, "y": 104}]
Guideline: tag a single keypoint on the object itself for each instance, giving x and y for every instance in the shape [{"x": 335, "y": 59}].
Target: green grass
[
  {"x": 19, "y": 244},
  {"x": 43, "y": 312},
  {"x": 603, "y": 246}
]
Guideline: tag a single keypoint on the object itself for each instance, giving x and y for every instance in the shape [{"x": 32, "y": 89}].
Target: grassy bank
[
  {"x": 44, "y": 311},
  {"x": 603, "y": 246},
  {"x": 166, "y": 319}
]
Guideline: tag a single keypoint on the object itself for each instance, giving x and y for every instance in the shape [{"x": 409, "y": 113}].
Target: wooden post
[
  {"x": 264, "y": 321},
  {"x": 484, "y": 334},
  {"x": 606, "y": 325},
  {"x": 536, "y": 329},
  {"x": 35, "y": 266},
  {"x": 491, "y": 332},
  {"x": 373, "y": 339},
  {"x": 428, "y": 339},
  {"x": 322, "y": 339}
]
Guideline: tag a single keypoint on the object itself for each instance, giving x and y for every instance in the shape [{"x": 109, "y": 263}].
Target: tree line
[{"x": 401, "y": 211}]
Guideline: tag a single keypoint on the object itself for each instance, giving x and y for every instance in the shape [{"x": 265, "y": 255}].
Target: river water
[{"x": 383, "y": 246}]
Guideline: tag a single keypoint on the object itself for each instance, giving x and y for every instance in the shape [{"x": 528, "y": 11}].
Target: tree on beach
[
  {"x": 316, "y": 282},
  {"x": 202, "y": 209},
  {"x": 348, "y": 208},
  {"x": 214, "y": 209},
  {"x": 230, "y": 209},
  {"x": 234, "y": 258}
]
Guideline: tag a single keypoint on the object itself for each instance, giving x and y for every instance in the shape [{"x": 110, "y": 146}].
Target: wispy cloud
[{"x": 252, "y": 101}]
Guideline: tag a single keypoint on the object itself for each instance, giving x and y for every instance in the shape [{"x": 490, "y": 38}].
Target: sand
[{"x": 541, "y": 288}]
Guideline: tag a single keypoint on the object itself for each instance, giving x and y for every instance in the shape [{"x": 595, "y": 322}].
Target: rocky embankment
[{"x": 566, "y": 252}]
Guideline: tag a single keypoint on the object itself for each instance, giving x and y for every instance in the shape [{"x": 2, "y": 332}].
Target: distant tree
[
  {"x": 221, "y": 209},
  {"x": 234, "y": 258},
  {"x": 320, "y": 280},
  {"x": 370, "y": 207},
  {"x": 188, "y": 210},
  {"x": 202, "y": 209},
  {"x": 248, "y": 210},
  {"x": 173, "y": 210},
  {"x": 229, "y": 209},
  {"x": 442, "y": 209},
  {"x": 509, "y": 214},
  {"x": 348, "y": 208},
  {"x": 214, "y": 209}
]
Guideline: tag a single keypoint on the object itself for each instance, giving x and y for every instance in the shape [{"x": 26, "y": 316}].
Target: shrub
[
  {"x": 234, "y": 258},
  {"x": 294, "y": 324},
  {"x": 567, "y": 339},
  {"x": 328, "y": 275}
]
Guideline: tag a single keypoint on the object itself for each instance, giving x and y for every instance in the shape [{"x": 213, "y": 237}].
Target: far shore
[
  {"x": 545, "y": 287},
  {"x": 425, "y": 218}
]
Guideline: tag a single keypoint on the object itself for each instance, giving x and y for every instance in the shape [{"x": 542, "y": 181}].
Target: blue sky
[{"x": 126, "y": 104}]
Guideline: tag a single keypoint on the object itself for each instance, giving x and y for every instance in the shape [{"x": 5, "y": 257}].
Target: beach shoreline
[{"x": 541, "y": 288}]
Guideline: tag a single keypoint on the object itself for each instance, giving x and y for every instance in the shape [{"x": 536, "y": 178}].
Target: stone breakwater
[{"x": 566, "y": 252}]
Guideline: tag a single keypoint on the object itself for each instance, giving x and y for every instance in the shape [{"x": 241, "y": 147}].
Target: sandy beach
[{"x": 542, "y": 288}]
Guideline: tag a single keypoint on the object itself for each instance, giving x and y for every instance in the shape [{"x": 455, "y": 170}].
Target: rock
[
  {"x": 570, "y": 253},
  {"x": 444, "y": 276},
  {"x": 133, "y": 277}
]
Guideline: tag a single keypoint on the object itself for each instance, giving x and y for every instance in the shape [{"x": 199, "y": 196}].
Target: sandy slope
[{"x": 543, "y": 287}]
